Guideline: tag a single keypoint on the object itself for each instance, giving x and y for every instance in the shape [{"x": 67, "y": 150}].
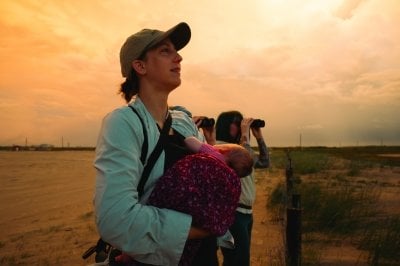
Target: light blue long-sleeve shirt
[{"x": 149, "y": 234}]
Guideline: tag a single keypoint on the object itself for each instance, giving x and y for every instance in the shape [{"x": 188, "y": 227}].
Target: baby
[
  {"x": 234, "y": 155},
  {"x": 205, "y": 185}
]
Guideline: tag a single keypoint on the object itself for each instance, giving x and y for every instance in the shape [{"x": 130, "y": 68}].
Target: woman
[
  {"x": 151, "y": 64},
  {"x": 231, "y": 127}
]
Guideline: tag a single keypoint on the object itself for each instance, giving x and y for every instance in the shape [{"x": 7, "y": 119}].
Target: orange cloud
[{"x": 331, "y": 63}]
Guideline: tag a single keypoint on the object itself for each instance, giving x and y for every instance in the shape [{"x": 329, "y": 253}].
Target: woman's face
[
  {"x": 163, "y": 67},
  {"x": 234, "y": 130}
]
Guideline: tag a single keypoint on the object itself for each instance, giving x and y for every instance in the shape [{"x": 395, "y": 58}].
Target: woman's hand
[
  {"x": 198, "y": 233},
  {"x": 208, "y": 132},
  {"x": 257, "y": 133},
  {"x": 197, "y": 120},
  {"x": 245, "y": 130}
]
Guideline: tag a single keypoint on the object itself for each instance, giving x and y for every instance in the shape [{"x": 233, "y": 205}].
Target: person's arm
[
  {"x": 198, "y": 233},
  {"x": 208, "y": 132},
  {"x": 197, "y": 146},
  {"x": 263, "y": 156},
  {"x": 245, "y": 133},
  {"x": 147, "y": 233},
  {"x": 193, "y": 144}
]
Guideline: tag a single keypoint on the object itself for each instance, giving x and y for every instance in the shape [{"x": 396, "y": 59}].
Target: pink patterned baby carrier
[{"x": 204, "y": 187}]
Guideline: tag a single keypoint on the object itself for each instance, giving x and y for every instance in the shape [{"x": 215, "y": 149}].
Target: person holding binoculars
[{"x": 232, "y": 127}]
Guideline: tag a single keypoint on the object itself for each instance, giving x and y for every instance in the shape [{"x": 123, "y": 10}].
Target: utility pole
[{"x": 300, "y": 140}]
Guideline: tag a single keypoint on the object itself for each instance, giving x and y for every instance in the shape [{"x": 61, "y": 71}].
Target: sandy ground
[
  {"x": 46, "y": 207},
  {"x": 47, "y": 214},
  {"x": 267, "y": 246}
]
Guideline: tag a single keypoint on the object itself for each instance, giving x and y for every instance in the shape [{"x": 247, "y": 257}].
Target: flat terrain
[
  {"x": 45, "y": 200},
  {"x": 47, "y": 215}
]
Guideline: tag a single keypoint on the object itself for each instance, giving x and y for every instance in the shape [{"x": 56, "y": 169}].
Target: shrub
[
  {"x": 340, "y": 210},
  {"x": 382, "y": 239}
]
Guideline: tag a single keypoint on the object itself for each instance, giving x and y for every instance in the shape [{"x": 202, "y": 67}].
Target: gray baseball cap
[{"x": 137, "y": 44}]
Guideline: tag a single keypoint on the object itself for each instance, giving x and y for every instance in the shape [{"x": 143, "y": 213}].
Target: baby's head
[{"x": 236, "y": 157}]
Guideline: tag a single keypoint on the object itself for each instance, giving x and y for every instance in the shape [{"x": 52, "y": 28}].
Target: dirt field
[
  {"x": 46, "y": 207},
  {"x": 47, "y": 214}
]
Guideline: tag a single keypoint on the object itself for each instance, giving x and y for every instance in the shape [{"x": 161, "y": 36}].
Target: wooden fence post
[
  {"x": 293, "y": 237},
  {"x": 289, "y": 179},
  {"x": 293, "y": 220}
]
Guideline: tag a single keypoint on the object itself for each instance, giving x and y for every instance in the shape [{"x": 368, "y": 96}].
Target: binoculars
[
  {"x": 257, "y": 123},
  {"x": 207, "y": 122}
]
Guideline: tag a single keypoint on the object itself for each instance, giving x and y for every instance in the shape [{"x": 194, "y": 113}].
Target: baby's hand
[{"x": 124, "y": 259}]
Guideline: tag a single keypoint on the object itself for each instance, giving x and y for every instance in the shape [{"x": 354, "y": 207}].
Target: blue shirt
[{"x": 150, "y": 235}]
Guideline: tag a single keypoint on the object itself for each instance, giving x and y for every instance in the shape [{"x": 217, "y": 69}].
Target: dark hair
[
  {"x": 224, "y": 121},
  {"x": 130, "y": 87}
]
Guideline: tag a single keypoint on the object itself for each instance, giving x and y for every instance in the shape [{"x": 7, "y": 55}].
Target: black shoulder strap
[
  {"x": 145, "y": 142},
  {"x": 102, "y": 246},
  {"x": 155, "y": 154}
]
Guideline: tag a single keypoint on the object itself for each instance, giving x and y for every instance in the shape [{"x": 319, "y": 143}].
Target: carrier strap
[{"x": 155, "y": 154}]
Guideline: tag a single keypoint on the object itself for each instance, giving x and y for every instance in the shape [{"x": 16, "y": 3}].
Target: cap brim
[{"x": 179, "y": 36}]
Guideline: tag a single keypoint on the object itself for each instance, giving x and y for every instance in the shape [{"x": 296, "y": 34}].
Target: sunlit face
[{"x": 162, "y": 65}]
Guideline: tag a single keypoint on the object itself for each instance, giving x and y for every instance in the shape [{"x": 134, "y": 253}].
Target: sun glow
[{"x": 293, "y": 63}]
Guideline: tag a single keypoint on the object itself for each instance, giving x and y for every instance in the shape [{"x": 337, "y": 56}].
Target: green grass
[
  {"x": 339, "y": 210},
  {"x": 382, "y": 239},
  {"x": 366, "y": 156},
  {"x": 337, "y": 202}
]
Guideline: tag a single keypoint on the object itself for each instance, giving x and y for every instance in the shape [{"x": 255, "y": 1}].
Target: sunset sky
[{"x": 326, "y": 69}]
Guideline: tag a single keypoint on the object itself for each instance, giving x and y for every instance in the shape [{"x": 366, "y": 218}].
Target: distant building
[
  {"x": 16, "y": 147},
  {"x": 44, "y": 147}
]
